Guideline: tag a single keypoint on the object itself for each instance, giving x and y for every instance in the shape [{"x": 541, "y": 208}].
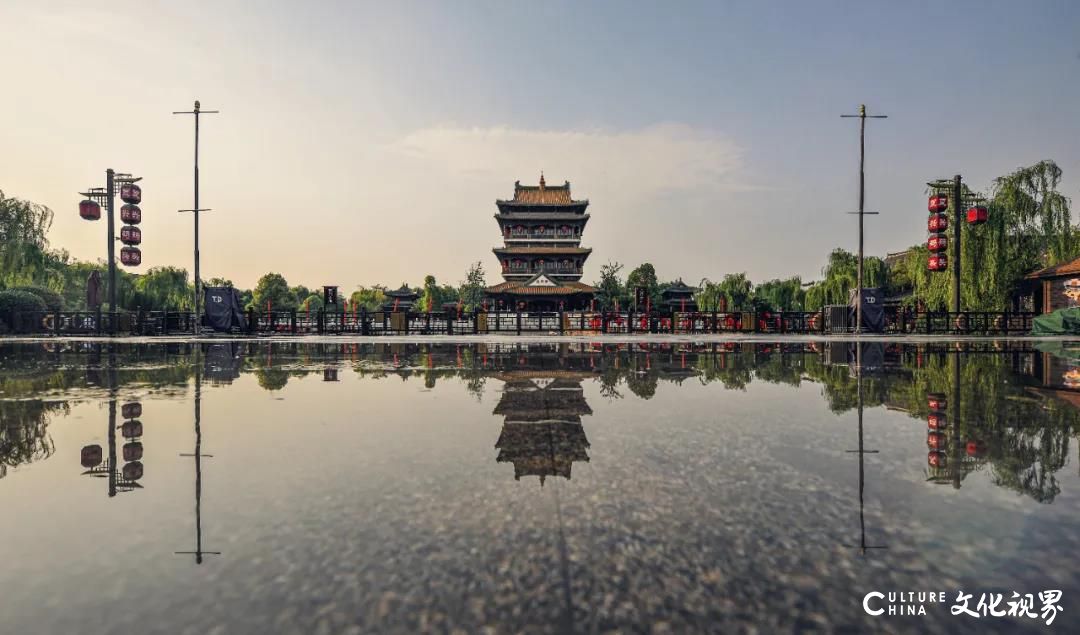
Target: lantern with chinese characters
[
  {"x": 937, "y": 421},
  {"x": 130, "y": 193},
  {"x": 90, "y": 456},
  {"x": 937, "y": 262},
  {"x": 938, "y": 203},
  {"x": 977, "y": 215},
  {"x": 937, "y": 242},
  {"x": 133, "y": 451},
  {"x": 131, "y": 429},
  {"x": 131, "y": 410},
  {"x": 130, "y": 235},
  {"x": 935, "y": 440},
  {"x": 130, "y": 256},
  {"x": 937, "y": 401},
  {"x": 131, "y": 214},
  {"x": 89, "y": 209},
  {"x": 936, "y": 459},
  {"x": 937, "y": 223},
  {"x": 133, "y": 471}
]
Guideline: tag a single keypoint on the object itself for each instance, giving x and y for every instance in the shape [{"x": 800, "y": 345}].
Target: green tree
[
  {"x": 24, "y": 255},
  {"x": 780, "y": 295},
  {"x": 644, "y": 276},
  {"x": 735, "y": 288},
  {"x": 610, "y": 288},
  {"x": 273, "y": 289},
  {"x": 163, "y": 288},
  {"x": 471, "y": 290},
  {"x": 370, "y": 298},
  {"x": 840, "y": 276}
]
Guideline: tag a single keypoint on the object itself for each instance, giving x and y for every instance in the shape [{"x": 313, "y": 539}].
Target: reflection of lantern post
[
  {"x": 196, "y": 210},
  {"x": 861, "y": 451},
  {"x": 862, "y": 198},
  {"x": 198, "y": 553},
  {"x": 90, "y": 209}
]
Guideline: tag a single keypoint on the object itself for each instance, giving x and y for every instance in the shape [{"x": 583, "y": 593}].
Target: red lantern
[
  {"x": 90, "y": 456},
  {"x": 131, "y": 429},
  {"x": 937, "y": 262},
  {"x": 936, "y": 459},
  {"x": 131, "y": 410},
  {"x": 133, "y": 451},
  {"x": 935, "y": 440},
  {"x": 131, "y": 193},
  {"x": 130, "y": 256},
  {"x": 976, "y": 448},
  {"x": 937, "y": 242},
  {"x": 89, "y": 210},
  {"x": 131, "y": 214},
  {"x": 937, "y": 421},
  {"x": 976, "y": 215},
  {"x": 937, "y": 223},
  {"x": 133, "y": 471},
  {"x": 130, "y": 235},
  {"x": 938, "y": 203},
  {"x": 937, "y": 401}
]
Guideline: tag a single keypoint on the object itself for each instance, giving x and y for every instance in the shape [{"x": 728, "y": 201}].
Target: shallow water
[{"x": 533, "y": 487}]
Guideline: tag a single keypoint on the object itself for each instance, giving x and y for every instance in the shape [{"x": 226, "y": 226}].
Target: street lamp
[{"x": 90, "y": 209}]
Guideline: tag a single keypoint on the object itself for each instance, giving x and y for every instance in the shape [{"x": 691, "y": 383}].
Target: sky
[{"x": 366, "y": 142}]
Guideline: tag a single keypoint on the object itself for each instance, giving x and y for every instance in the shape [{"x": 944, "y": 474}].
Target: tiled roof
[
  {"x": 519, "y": 288},
  {"x": 542, "y": 194},
  {"x": 548, "y": 216},
  {"x": 542, "y": 250},
  {"x": 1060, "y": 269}
]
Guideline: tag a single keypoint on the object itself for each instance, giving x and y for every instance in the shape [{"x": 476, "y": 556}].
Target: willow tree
[
  {"x": 24, "y": 254},
  {"x": 840, "y": 275},
  {"x": 1029, "y": 227}
]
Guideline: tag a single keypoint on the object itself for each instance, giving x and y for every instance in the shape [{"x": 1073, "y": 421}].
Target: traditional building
[
  {"x": 542, "y": 433},
  {"x": 679, "y": 297},
  {"x": 402, "y": 299},
  {"x": 541, "y": 258}
]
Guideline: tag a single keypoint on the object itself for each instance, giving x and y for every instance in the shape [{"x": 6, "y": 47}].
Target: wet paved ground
[{"x": 534, "y": 487}]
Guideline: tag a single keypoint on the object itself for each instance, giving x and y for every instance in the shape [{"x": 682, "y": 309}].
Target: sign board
[{"x": 329, "y": 295}]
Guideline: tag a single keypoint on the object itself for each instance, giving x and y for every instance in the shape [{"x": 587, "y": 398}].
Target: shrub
[
  {"x": 15, "y": 300},
  {"x": 53, "y": 300}
]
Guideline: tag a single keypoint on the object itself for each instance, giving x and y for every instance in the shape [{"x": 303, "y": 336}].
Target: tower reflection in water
[{"x": 542, "y": 433}]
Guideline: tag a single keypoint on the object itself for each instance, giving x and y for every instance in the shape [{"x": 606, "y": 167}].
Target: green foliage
[
  {"x": 735, "y": 289},
  {"x": 610, "y": 289},
  {"x": 643, "y": 276},
  {"x": 471, "y": 290},
  {"x": 433, "y": 295},
  {"x": 370, "y": 298},
  {"x": 164, "y": 287},
  {"x": 273, "y": 289},
  {"x": 780, "y": 295},
  {"x": 53, "y": 300},
  {"x": 24, "y": 256},
  {"x": 15, "y": 300},
  {"x": 313, "y": 303},
  {"x": 1028, "y": 228},
  {"x": 841, "y": 276}
]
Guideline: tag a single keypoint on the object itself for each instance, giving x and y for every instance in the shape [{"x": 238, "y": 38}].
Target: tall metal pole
[
  {"x": 110, "y": 205},
  {"x": 862, "y": 211},
  {"x": 957, "y": 221},
  {"x": 198, "y": 321},
  {"x": 198, "y": 280},
  {"x": 862, "y": 200}
]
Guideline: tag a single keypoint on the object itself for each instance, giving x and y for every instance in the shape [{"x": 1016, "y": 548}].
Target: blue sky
[{"x": 366, "y": 142}]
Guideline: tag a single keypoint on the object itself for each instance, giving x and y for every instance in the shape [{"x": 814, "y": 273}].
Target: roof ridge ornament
[{"x": 542, "y": 182}]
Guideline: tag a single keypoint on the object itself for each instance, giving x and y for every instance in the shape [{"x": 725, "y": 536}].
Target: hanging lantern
[
  {"x": 936, "y": 459},
  {"x": 976, "y": 215},
  {"x": 90, "y": 456},
  {"x": 133, "y": 471},
  {"x": 976, "y": 449},
  {"x": 937, "y": 421},
  {"x": 937, "y": 262},
  {"x": 937, "y": 401},
  {"x": 130, "y": 256},
  {"x": 130, "y": 235},
  {"x": 131, "y": 214},
  {"x": 131, "y": 410},
  {"x": 937, "y": 223},
  {"x": 89, "y": 210},
  {"x": 937, "y": 242},
  {"x": 130, "y": 193},
  {"x": 935, "y": 440},
  {"x": 131, "y": 429},
  {"x": 133, "y": 451},
  {"x": 938, "y": 203}
]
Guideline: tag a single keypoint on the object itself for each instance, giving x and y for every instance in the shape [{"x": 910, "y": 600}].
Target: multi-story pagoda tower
[{"x": 541, "y": 258}]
